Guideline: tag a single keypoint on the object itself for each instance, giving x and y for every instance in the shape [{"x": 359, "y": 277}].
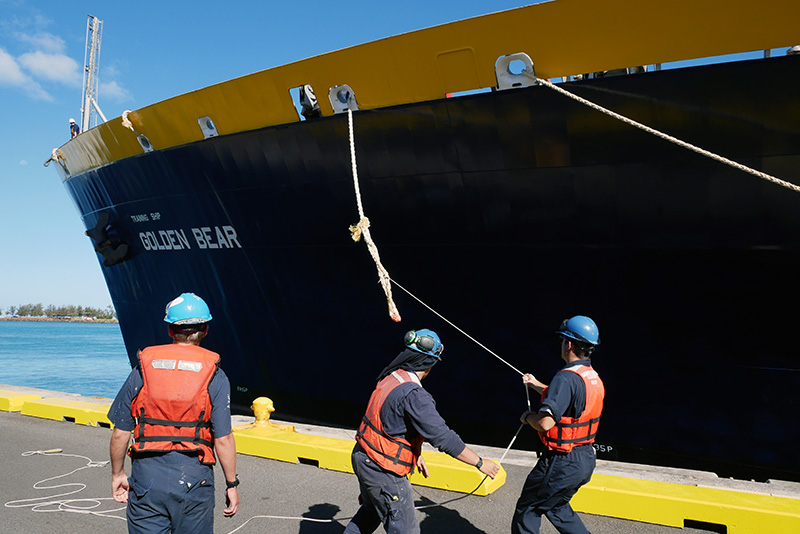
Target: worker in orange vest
[
  {"x": 177, "y": 404},
  {"x": 399, "y": 417},
  {"x": 567, "y": 421}
]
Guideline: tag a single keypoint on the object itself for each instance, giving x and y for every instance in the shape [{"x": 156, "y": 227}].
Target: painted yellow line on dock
[
  {"x": 671, "y": 504},
  {"x": 12, "y": 401},
  {"x": 333, "y": 453},
  {"x": 76, "y": 411}
]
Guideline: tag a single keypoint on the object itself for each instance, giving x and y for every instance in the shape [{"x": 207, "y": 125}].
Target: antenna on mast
[{"x": 89, "y": 108}]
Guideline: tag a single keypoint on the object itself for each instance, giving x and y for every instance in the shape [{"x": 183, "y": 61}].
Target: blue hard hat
[
  {"x": 581, "y": 329},
  {"x": 187, "y": 309},
  {"x": 424, "y": 341}
]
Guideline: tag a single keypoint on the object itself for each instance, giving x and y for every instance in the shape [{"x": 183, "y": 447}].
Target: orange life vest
[
  {"x": 570, "y": 432},
  {"x": 173, "y": 408},
  {"x": 395, "y": 454}
]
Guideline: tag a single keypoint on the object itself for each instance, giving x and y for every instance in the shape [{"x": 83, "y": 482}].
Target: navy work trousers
[
  {"x": 550, "y": 485},
  {"x": 170, "y": 493},
  {"x": 386, "y": 498}
]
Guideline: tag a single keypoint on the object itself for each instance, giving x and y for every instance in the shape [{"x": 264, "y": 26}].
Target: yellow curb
[
  {"x": 332, "y": 453},
  {"x": 12, "y": 401},
  {"x": 80, "y": 412},
  {"x": 672, "y": 504}
]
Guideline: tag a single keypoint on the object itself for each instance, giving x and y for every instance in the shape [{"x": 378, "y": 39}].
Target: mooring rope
[
  {"x": 126, "y": 122},
  {"x": 671, "y": 139},
  {"x": 448, "y": 321},
  {"x": 55, "y": 156},
  {"x": 53, "y": 503},
  {"x": 361, "y": 228},
  {"x": 499, "y": 462},
  {"x": 433, "y": 505},
  {"x": 59, "y": 158}
]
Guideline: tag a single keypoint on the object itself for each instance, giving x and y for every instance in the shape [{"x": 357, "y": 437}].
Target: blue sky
[{"x": 150, "y": 51}]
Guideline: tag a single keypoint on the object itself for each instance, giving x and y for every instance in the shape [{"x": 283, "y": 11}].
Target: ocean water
[{"x": 87, "y": 359}]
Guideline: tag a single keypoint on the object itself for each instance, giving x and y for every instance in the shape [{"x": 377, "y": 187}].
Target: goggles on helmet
[{"x": 424, "y": 342}]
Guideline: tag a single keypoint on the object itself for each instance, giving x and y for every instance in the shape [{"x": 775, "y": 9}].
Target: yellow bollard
[{"x": 262, "y": 408}]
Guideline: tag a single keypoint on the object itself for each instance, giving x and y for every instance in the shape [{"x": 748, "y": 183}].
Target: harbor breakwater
[{"x": 60, "y": 320}]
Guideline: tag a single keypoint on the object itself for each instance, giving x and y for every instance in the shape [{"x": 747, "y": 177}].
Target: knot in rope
[
  {"x": 126, "y": 122},
  {"x": 356, "y": 230},
  {"x": 362, "y": 229}
]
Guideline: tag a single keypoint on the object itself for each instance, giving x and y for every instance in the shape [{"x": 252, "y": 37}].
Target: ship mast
[{"x": 90, "y": 110}]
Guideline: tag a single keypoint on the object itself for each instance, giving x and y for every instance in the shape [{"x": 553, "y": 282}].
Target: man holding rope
[
  {"x": 400, "y": 416},
  {"x": 567, "y": 421}
]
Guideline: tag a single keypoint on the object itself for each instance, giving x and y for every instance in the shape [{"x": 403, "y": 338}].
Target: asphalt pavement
[{"x": 70, "y": 491}]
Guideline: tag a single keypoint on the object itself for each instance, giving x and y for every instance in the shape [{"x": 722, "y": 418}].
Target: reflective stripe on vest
[
  {"x": 571, "y": 432},
  {"x": 395, "y": 454},
  {"x": 173, "y": 408}
]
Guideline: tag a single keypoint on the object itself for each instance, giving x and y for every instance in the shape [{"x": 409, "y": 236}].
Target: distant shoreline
[{"x": 60, "y": 320}]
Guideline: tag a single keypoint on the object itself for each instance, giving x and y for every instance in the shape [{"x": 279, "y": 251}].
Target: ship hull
[{"x": 505, "y": 212}]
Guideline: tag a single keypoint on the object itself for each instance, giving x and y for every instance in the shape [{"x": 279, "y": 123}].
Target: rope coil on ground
[
  {"x": 362, "y": 229},
  {"x": 671, "y": 139},
  {"x": 53, "y": 503}
]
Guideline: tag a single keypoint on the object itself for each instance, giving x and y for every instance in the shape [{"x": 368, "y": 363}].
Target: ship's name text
[{"x": 203, "y": 237}]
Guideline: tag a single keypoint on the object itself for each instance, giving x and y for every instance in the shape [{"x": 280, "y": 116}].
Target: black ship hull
[{"x": 505, "y": 212}]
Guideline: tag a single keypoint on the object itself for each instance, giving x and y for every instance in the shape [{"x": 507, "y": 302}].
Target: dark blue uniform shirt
[
  {"x": 566, "y": 395},
  {"x": 409, "y": 411}
]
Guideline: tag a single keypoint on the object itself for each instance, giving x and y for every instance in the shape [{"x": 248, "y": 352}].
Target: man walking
[
  {"x": 567, "y": 421},
  {"x": 400, "y": 416},
  {"x": 177, "y": 403}
]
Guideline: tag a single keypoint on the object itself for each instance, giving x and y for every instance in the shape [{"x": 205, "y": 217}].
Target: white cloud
[
  {"x": 44, "y": 41},
  {"x": 45, "y": 62},
  {"x": 114, "y": 91},
  {"x": 23, "y": 162},
  {"x": 52, "y": 67},
  {"x": 110, "y": 88},
  {"x": 12, "y": 75},
  {"x": 111, "y": 70}
]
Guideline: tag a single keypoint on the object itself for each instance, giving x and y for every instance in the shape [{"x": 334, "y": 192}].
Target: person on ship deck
[{"x": 399, "y": 417}]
